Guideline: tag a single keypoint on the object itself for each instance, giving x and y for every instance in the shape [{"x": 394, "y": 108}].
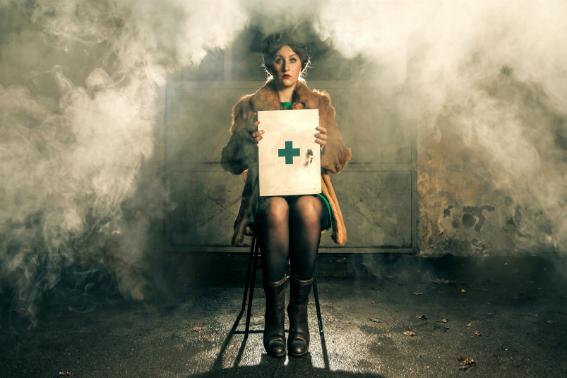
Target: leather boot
[
  {"x": 298, "y": 340},
  {"x": 274, "y": 331}
]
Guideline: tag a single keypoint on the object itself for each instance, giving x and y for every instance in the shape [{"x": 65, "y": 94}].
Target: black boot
[
  {"x": 298, "y": 340},
  {"x": 274, "y": 332}
]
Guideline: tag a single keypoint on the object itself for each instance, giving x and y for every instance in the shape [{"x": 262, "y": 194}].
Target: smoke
[
  {"x": 79, "y": 109},
  {"x": 81, "y": 102},
  {"x": 489, "y": 74}
]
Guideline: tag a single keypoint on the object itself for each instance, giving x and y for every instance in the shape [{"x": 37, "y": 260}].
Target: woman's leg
[
  {"x": 272, "y": 223},
  {"x": 308, "y": 216}
]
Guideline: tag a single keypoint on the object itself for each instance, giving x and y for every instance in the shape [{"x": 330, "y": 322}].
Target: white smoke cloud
[
  {"x": 72, "y": 143},
  {"x": 452, "y": 54}
]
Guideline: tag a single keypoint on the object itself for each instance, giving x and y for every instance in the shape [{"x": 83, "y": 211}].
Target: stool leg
[
  {"x": 321, "y": 333},
  {"x": 248, "y": 274},
  {"x": 316, "y": 295},
  {"x": 253, "y": 281}
]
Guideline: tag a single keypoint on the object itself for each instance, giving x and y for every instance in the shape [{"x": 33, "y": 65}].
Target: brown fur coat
[{"x": 240, "y": 154}]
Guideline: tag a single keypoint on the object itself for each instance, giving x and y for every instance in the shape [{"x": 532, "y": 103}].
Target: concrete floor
[{"x": 517, "y": 304}]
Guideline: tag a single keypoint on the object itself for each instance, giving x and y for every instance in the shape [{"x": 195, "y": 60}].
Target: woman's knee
[
  {"x": 307, "y": 208},
  {"x": 274, "y": 210}
]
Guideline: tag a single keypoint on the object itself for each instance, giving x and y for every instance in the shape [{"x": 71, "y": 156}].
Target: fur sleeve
[
  {"x": 335, "y": 156},
  {"x": 240, "y": 152}
]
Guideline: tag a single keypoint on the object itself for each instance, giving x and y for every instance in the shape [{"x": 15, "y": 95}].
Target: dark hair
[{"x": 274, "y": 42}]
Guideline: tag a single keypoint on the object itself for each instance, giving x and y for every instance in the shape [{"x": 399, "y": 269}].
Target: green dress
[{"x": 287, "y": 106}]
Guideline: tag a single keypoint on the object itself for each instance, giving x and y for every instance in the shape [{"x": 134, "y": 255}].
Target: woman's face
[{"x": 287, "y": 67}]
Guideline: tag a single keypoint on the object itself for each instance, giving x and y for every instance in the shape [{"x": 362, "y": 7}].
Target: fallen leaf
[
  {"x": 550, "y": 321},
  {"x": 341, "y": 260},
  {"x": 362, "y": 263},
  {"x": 374, "y": 320},
  {"x": 20, "y": 310},
  {"x": 66, "y": 373},
  {"x": 470, "y": 324},
  {"x": 376, "y": 288},
  {"x": 466, "y": 361},
  {"x": 197, "y": 329},
  {"x": 375, "y": 302},
  {"x": 417, "y": 293},
  {"x": 444, "y": 320},
  {"x": 477, "y": 333},
  {"x": 409, "y": 333},
  {"x": 422, "y": 317},
  {"x": 463, "y": 291}
]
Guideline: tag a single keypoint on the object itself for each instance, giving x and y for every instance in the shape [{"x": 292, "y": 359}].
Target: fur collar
[{"x": 266, "y": 98}]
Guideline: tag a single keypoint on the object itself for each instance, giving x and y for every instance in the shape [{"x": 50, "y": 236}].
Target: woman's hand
[
  {"x": 257, "y": 134},
  {"x": 321, "y": 135}
]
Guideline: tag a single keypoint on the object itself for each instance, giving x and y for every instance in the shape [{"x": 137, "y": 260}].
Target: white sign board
[{"x": 289, "y": 157}]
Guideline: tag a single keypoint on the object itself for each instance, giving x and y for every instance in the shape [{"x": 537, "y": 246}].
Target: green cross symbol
[{"x": 289, "y": 152}]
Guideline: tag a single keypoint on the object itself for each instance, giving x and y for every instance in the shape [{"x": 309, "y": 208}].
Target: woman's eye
[
  {"x": 292, "y": 60},
  {"x": 278, "y": 61}
]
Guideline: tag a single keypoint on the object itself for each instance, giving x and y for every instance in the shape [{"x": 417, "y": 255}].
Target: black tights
[{"x": 290, "y": 228}]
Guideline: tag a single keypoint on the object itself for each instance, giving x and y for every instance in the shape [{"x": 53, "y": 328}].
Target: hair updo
[{"x": 274, "y": 42}]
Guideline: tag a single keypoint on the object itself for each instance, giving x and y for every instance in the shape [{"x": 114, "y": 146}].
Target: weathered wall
[{"x": 470, "y": 199}]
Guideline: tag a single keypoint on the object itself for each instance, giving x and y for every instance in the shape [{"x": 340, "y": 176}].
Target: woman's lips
[{"x": 286, "y": 76}]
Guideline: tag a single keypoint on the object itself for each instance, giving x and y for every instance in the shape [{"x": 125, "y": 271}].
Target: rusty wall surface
[
  {"x": 459, "y": 210},
  {"x": 471, "y": 201}
]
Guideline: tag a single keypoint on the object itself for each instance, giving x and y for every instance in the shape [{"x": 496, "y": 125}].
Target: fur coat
[{"x": 240, "y": 154}]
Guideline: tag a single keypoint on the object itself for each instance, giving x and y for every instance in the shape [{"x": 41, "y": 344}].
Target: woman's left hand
[{"x": 321, "y": 135}]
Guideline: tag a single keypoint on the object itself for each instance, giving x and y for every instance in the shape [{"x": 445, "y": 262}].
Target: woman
[{"x": 289, "y": 227}]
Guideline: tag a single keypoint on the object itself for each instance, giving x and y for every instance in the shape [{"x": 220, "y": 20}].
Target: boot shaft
[
  {"x": 299, "y": 290},
  {"x": 298, "y": 341},
  {"x": 274, "y": 331},
  {"x": 275, "y": 292}
]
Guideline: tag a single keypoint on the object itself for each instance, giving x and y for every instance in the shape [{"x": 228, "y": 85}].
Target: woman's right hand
[{"x": 257, "y": 135}]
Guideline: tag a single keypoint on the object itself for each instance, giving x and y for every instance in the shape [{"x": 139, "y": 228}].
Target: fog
[{"x": 80, "y": 84}]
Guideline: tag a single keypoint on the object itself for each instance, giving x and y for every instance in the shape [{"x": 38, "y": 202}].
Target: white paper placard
[{"x": 289, "y": 157}]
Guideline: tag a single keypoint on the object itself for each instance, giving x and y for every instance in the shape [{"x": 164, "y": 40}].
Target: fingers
[
  {"x": 321, "y": 142},
  {"x": 257, "y": 136},
  {"x": 321, "y": 137}
]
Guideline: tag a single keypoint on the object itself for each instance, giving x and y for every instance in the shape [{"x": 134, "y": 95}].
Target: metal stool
[{"x": 255, "y": 263}]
